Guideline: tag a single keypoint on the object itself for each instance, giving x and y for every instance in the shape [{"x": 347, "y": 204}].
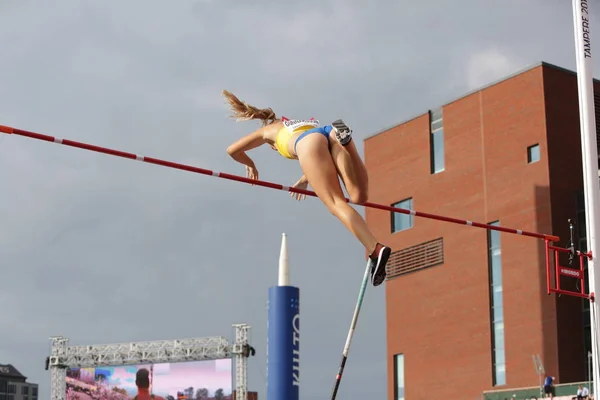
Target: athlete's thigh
[
  {"x": 318, "y": 167},
  {"x": 354, "y": 176}
]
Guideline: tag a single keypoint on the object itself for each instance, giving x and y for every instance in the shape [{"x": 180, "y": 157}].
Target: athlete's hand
[
  {"x": 301, "y": 184},
  {"x": 251, "y": 172}
]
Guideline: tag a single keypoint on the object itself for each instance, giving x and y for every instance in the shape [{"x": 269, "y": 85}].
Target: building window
[
  {"x": 401, "y": 222},
  {"x": 34, "y": 391},
  {"x": 399, "y": 377},
  {"x": 24, "y": 390},
  {"x": 496, "y": 307},
  {"x": 533, "y": 153},
  {"x": 12, "y": 388},
  {"x": 437, "y": 141}
]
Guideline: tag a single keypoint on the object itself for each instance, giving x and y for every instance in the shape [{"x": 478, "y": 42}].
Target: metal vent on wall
[{"x": 415, "y": 258}]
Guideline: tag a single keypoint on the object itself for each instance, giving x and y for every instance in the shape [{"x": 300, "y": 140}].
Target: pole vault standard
[{"x": 14, "y": 131}]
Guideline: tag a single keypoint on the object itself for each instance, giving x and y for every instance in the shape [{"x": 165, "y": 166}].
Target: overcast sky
[{"x": 101, "y": 249}]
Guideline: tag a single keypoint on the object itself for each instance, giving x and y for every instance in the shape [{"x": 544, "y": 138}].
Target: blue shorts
[{"x": 323, "y": 130}]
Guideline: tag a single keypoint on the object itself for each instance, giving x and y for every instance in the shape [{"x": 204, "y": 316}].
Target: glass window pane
[
  {"x": 400, "y": 221},
  {"x": 498, "y": 344},
  {"x": 500, "y": 374},
  {"x": 400, "y": 393},
  {"x": 499, "y": 328},
  {"x": 399, "y": 369},
  {"x": 494, "y": 239},
  {"x": 497, "y": 308},
  {"x": 496, "y": 253},
  {"x": 438, "y": 150},
  {"x": 496, "y": 272},
  {"x": 499, "y": 357},
  {"x": 436, "y": 124},
  {"x": 497, "y": 296},
  {"x": 399, "y": 376},
  {"x": 499, "y": 335},
  {"x": 498, "y": 313},
  {"x": 533, "y": 153}
]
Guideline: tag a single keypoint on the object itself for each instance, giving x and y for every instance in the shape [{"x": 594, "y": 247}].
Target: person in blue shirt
[{"x": 548, "y": 387}]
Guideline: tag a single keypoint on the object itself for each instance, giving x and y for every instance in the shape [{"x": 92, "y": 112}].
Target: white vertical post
[
  {"x": 284, "y": 263},
  {"x": 581, "y": 18}
]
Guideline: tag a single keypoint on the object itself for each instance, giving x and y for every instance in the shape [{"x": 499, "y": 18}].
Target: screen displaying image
[{"x": 196, "y": 380}]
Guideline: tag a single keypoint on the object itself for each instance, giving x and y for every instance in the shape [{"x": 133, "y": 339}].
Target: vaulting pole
[{"x": 346, "y": 351}]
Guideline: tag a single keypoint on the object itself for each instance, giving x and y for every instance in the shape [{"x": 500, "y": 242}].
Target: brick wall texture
[{"x": 439, "y": 317}]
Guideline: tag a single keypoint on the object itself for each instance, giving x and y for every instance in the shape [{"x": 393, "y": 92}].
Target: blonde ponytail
[{"x": 243, "y": 111}]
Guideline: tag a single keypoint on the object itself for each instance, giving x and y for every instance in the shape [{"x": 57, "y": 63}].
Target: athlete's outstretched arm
[{"x": 238, "y": 149}]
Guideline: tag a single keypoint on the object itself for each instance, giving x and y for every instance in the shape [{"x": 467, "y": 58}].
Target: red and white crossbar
[{"x": 156, "y": 161}]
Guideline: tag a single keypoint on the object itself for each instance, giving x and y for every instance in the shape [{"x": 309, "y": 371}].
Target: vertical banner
[{"x": 283, "y": 346}]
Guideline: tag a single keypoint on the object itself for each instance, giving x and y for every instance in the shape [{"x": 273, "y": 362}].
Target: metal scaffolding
[{"x": 63, "y": 357}]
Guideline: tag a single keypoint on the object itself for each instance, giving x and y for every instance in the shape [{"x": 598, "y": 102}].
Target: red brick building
[{"x": 467, "y": 308}]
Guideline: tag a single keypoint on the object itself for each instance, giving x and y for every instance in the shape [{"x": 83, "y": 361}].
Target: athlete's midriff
[{"x": 287, "y": 135}]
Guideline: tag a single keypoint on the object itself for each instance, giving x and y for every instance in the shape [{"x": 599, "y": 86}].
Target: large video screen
[{"x": 196, "y": 380}]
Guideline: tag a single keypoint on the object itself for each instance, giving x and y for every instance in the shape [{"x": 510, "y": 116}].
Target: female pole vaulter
[{"x": 324, "y": 153}]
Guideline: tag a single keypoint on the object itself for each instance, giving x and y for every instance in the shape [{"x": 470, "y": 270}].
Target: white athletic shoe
[{"x": 343, "y": 133}]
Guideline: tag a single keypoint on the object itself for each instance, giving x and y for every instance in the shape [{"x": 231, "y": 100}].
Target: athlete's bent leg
[
  {"x": 319, "y": 169},
  {"x": 317, "y": 165},
  {"x": 350, "y": 166},
  {"x": 352, "y": 171}
]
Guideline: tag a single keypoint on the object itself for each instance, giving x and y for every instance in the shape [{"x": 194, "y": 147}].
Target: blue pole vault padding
[{"x": 283, "y": 343}]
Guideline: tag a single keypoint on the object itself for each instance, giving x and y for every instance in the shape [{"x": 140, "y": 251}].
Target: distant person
[
  {"x": 585, "y": 393},
  {"x": 582, "y": 393},
  {"x": 142, "y": 381},
  {"x": 549, "y": 386}
]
